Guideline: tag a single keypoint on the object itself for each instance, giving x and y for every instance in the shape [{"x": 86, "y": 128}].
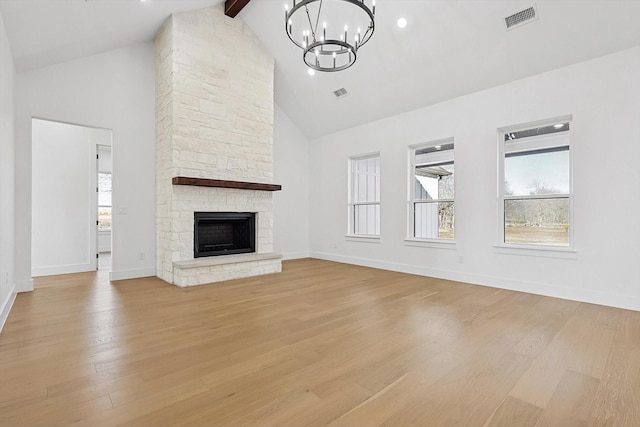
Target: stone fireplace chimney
[{"x": 214, "y": 123}]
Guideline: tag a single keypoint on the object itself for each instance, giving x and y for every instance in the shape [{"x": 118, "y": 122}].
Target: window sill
[
  {"x": 363, "y": 238},
  {"x": 536, "y": 251},
  {"x": 431, "y": 243}
]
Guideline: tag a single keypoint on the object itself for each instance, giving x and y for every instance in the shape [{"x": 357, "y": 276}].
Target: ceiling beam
[{"x": 233, "y": 7}]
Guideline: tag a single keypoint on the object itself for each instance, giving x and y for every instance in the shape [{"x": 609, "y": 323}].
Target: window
[
  {"x": 104, "y": 201},
  {"x": 364, "y": 195},
  {"x": 535, "y": 193},
  {"x": 431, "y": 191}
]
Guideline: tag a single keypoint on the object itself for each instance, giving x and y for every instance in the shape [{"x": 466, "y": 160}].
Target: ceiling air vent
[
  {"x": 522, "y": 17},
  {"x": 340, "y": 92}
]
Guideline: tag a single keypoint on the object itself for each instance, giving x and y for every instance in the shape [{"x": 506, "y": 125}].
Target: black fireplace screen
[{"x": 223, "y": 233}]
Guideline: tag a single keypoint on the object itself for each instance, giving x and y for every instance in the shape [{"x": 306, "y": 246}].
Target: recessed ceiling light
[
  {"x": 311, "y": 72},
  {"x": 402, "y": 22},
  {"x": 437, "y": 147},
  {"x": 558, "y": 126}
]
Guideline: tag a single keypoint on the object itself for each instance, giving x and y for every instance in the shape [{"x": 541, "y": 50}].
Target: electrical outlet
[
  {"x": 460, "y": 259},
  {"x": 141, "y": 256}
]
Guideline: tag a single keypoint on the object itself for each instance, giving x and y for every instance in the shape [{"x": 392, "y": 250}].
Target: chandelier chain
[
  {"x": 318, "y": 18},
  {"x": 313, "y": 30}
]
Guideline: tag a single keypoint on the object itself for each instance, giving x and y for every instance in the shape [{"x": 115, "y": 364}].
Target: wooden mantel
[{"x": 204, "y": 182}]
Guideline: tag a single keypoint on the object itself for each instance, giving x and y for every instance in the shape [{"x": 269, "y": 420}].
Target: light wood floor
[{"x": 322, "y": 343}]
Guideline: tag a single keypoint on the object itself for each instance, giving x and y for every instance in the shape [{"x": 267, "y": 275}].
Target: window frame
[
  {"x": 105, "y": 206},
  {"x": 534, "y": 143},
  {"x": 411, "y": 239},
  {"x": 351, "y": 203}
]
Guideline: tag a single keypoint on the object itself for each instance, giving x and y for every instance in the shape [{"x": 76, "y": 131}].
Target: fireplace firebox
[{"x": 223, "y": 233}]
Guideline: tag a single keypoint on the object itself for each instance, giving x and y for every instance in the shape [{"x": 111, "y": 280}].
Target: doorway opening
[{"x": 65, "y": 233}]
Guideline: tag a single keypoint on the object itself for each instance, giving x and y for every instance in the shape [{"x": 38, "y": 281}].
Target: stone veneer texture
[{"x": 214, "y": 119}]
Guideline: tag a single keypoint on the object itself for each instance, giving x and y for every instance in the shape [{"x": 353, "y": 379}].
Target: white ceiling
[
  {"x": 45, "y": 32},
  {"x": 450, "y": 47}
]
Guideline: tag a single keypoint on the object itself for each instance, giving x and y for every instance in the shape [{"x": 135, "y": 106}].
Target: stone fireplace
[{"x": 214, "y": 153}]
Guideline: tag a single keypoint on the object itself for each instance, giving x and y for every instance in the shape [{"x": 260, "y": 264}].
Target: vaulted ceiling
[{"x": 448, "y": 49}]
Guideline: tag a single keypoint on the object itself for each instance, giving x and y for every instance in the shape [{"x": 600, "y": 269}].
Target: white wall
[
  {"x": 7, "y": 174},
  {"x": 64, "y": 202},
  {"x": 603, "y": 95},
  {"x": 114, "y": 90},
  {"x": 291, "y": 205}
]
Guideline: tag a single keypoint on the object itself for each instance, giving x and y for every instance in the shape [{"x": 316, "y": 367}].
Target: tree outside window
[{"x": 536, "y": 192}]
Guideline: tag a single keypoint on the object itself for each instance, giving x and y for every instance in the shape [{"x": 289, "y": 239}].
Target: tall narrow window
[
  {"x": 364, "y": 195},
  {"x": 432, "y": 191},
  {"x": 536, "y": 185},
  {"x": 104, "y": 201}
]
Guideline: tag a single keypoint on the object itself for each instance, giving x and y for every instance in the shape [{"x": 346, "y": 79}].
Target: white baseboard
[
  {"x": 61, "y": 269},
  {"x": 24, "y": 285},
  {"x": 295, "y": 255},
  {"x": 5, "y": 306},
  {"x": 131, "y": 274},
  {"x": 582, "y": 295}
]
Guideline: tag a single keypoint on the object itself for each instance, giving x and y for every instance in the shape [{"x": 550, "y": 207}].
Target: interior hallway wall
[
  {"x": 7, "y": 177},
  {"x": 113, "y": 90}
]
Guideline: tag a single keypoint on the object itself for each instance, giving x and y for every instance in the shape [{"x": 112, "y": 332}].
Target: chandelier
[{"x": 331, "y": 36}]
